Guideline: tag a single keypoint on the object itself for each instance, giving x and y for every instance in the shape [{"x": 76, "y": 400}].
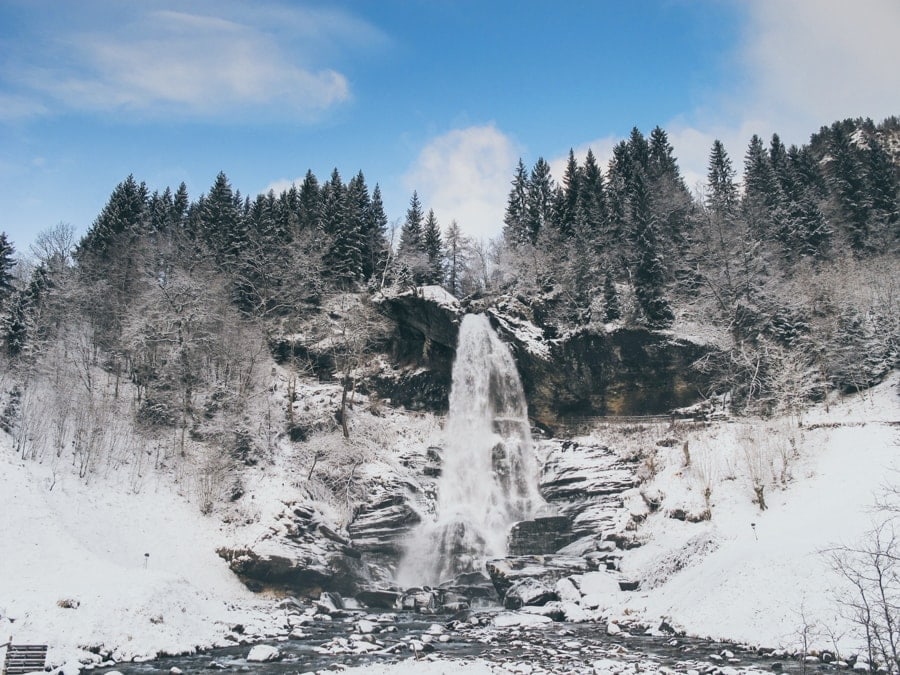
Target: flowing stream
[{"x": 489, "y": 477}]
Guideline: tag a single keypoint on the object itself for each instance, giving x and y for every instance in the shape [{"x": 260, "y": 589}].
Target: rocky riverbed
[{"x": 322, "y": 637}]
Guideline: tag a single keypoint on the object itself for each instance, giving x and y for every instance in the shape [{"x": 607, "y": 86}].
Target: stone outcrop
[
  {"x": 628, "y": 371},
  {"x": 586, "y": 484},
  {"x": 540, "y": 536},
  {"x": 379, "y": 527},
  {"x": 422, "y": 347},
  {"x": 589, "y": 372},
  {"x": 302, "y": 555}
]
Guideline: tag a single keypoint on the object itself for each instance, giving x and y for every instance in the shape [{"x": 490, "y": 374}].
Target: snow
[
  {"x": 762, "y": 576},
  {"x": 74, "y": 574},
  {"x": 84, "y": 546}
]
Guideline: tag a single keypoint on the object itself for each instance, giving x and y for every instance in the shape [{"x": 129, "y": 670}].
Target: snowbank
[
  {"x": 755, "y": 576},
  {"x": 102, "y": 567}
]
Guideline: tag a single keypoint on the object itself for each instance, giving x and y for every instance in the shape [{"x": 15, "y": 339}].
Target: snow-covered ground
[
  {"x": 763, "y": 577},
  {"x": 73, "y": 570}
]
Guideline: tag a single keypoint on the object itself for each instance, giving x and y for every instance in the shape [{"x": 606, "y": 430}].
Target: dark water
[{"x": 556, "y": 648}]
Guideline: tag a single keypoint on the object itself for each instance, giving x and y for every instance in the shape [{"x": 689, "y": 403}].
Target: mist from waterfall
[{"x": 489, "y": 473}]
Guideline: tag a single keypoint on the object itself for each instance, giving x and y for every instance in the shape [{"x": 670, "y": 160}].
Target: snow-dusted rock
[
  {"x": 263, "y": 654},
  {"x": 567, "y": 591},
  {"x": 547, "y": 568},
  {"x": 540, "y": 536},
  {"x": 520, "y": 619},
  {"x": 528, "y": 591}
]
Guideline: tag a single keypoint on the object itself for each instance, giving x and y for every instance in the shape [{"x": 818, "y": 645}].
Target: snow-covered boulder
[{"x": 263, "y": 654}]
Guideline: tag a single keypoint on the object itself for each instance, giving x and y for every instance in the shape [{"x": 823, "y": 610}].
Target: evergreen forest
[{"x": 786, "y": 259}]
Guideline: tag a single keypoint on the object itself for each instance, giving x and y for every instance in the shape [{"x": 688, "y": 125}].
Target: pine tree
[
  {"x": 722, "y": 197},
  {"x": 540, "y": 201},
  {"x": 568, "y": 212},
  {"x": 431, "y": 243},
  {"x": 516, "y": 230},
  {"x": 612, "y": 308},
  {"x": 7, "y": 263},
  {"x": 375, "y": 247}
]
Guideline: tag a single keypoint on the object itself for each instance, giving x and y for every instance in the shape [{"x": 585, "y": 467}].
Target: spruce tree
[
  {"x": 568, "y": 214},
  {"x": 540, "y": 201},
  {"x": 309, "y": 204},
  {"x": 592, "y": 195},
  {"x": 375, "y": 247},
  {"x": 411, "y": 251},
  {"x": 221, "y": 220},
  {"x": 722, "y": 197},
  {"x": 431, "y": 243},
  {"x": 7, "y": 263},
  {"x": 612, "y": 308},
  {"x": 848, "y": 184},
  {"x": 340, "y": 220},
  {"x": 516, "y": 230},
  {"x": 650, "y": 272},
  {"x": 411, "y": 232}
]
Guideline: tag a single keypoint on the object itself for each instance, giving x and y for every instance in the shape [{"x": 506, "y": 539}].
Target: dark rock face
[
  {"x": 540, "y": 536},
  {"x": 376, "y": 598},
  {"x": 296, "y": 573},
  {"x": 423, "y": 344},
  {"x": 379, "y": 528},
  {"x": 630, "y": 371}
]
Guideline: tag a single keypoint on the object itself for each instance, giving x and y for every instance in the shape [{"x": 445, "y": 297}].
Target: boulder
[
  {"x": 304, "y": 570},
  {"x": 548, "y": 569},
  {"x": 375, "y": 598},
  {"x": 528, "y": 591},
  {"x": 540, "y": 536},
  {"x": 263, "y": 654}
]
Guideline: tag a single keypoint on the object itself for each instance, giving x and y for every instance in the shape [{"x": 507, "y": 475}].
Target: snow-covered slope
[
  {"x": 763, "y": 576},
  {"x": 74, "y": 570}
]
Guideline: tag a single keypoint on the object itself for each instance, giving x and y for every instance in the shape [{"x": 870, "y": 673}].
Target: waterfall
[{"x": 489, "y": 474}]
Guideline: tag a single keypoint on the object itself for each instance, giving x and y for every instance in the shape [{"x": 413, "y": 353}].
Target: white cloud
[
  {"x": 14, "y": 107},
  {"x": 465, "y": 175},
  {"x": 209, "y": 60},
  {"x": 281, "y": 185},
  {"x": 805, "y": 63},
  {"x": 815, "y": 61}
]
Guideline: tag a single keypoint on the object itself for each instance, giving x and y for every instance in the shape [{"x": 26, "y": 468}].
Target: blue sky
[{"x": 436, "y": 95}]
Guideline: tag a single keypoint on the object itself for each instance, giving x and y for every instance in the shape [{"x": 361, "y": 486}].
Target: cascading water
[{"x": 489, "y": 477}]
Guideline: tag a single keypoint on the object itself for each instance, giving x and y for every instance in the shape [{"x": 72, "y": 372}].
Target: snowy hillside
[
  {"x": 74, "y": 572},
  {"x": 764, "y": 577}
]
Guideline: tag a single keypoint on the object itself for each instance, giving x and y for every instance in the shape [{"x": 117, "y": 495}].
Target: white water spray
[{"x": 489, "y": 477}]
